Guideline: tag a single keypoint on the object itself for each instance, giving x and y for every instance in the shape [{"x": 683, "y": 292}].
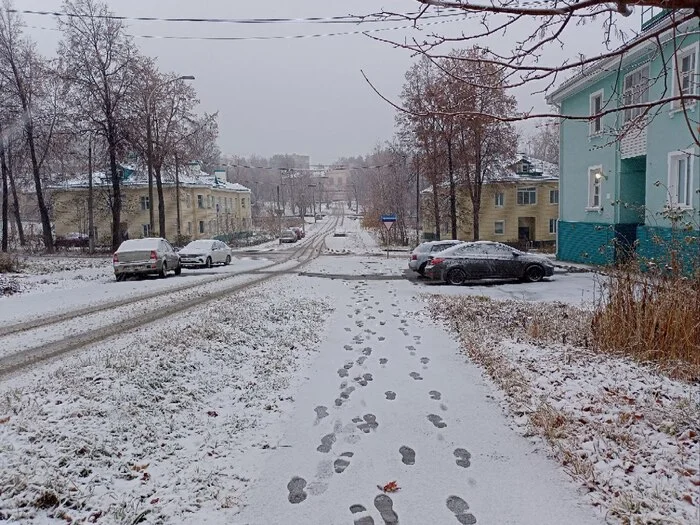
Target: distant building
[
  {"x": 521, "y": 206},
  {"x": 209, "y": 205}
]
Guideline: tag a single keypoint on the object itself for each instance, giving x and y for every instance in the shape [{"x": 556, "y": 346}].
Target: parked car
[
  {"x": 205, "y": 253},
  {"x": 339, "y": 232},
  {"x": 288, "y": 236},
  {"x": 299, "y": 233},
  {"x": 145, "y": 256},
  {"x": 421, "y": 254},
  {"x": 486, "y": 260},
  {"x": 72, "y": 240}
]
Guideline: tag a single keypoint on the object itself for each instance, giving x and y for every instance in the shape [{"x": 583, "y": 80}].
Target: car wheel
[
  {"x": 421, "y": 270},
  {"x": 178, "y": 270},
  {"x": 163, "y": 271},
  {"x": 228, "y": 260},
  {"x": 456, "y": 277},
  {"x": 534, "y": 273},
  {"x": 208, "y": 264}
]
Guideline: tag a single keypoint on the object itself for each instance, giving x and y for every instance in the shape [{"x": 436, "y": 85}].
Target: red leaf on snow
[
  {"x": 688, "y": 499},
  {"x": 4, "y": 420},
  {"x": 392, "y": 486},
  {"x": 212, "y": 413},
  {"x": 154, "y": 501}
]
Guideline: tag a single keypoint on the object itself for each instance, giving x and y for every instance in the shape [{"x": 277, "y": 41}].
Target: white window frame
[
  {"x": 529, "y": 190},
  {"x": 202, "y": 228},
  {"x": 677, "y": 105},
  {"x": 672, "y": 195},
  {"x": 145, "y": 203},
  {"x": 551, "y": 193},
  {"x": 595, "y": 127},
  {"x": 636, "y": 96},
  {"x": 146, "y": 230},
  {"x": 500, "y": 199},
  {"x": 553, "y": 226},
  {"x": 503, "y": 227},
  {"x": 594, "y": 182},
  {"x": 200, "y": 202}
]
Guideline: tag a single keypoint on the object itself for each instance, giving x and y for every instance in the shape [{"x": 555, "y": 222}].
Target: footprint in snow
[
  {"x": 408, "y": 455},
  {"x": 416, "y": 376},
  {"x": 348, "y": 347},
  {"x": 321, "y": 412},
  {"x": 383, "y": 361},
  {"x": 382, "y": 338},
  {"x": 342, "y": 462},
  {"x": 345, "y": 394},
  {"x": 326, "y": 443},
  {"x": 296, "y": 490},
  {"x": 390, "y": 395},
  {"x": 369, "y": 423},
  {"x": 348, "y": 329},
  {"x": 463, "y": 457},
  {"x": 434, "y": 394},
  {"x": 361, "y": 520},
  {"x": 459, "y": 508},
  {"x": 342, "y": 372},
  {"x": 367, "y": 351},
  {"x": 361, "y": 360},
  {"x": 437, "y": 421},
  {"x": 425, "y": 360},
  {"x": 385, "y": 506}
]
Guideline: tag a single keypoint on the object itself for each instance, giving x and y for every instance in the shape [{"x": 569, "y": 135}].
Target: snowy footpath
[{"x": 390, "y": 399}]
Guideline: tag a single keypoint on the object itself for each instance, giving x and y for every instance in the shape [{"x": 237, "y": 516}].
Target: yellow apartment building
[
  {"x": 209, "y": 205},
  {"x": 521, "y": 206}
]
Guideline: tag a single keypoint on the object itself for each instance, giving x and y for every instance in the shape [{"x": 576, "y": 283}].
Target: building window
[
  {"x": 201, "y": 226},
  {"x": 596, "y": 106},
  {"x": 499, "y": 200},
  {"x": 685, "y": 75},
  {"x": 680, "y": 179},
  {"x": 200, "y": 201},
  {"x": 243, "y": 202},
  {"x": 188, "y": 200},
  {"x": 210, "y": 201},
  {"x": 636, "y": 91},
  {"x": 595, "y": 179},
  {"x": 189, "y": 228},
  {"x": 552, "y": 226},
  {"x": 146, "y": 230},
  {"x": 553, "y": 196},
  {"x": 527, "y": 196},
  {"x": 499, "y": 227},
  {"x": 145, "y": 203}
]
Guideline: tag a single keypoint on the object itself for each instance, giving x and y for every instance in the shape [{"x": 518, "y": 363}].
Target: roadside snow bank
[
  {"x": 629, "y": 435},
  {"x": 160, "y": 425}
]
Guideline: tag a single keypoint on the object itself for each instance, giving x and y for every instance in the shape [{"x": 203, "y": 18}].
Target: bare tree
[
  {"x": 98, "y": 58},
  {"x": 546, "y": 26},
  {"x": 24, "y": 72},
  {"x": 545, "y": 143}
]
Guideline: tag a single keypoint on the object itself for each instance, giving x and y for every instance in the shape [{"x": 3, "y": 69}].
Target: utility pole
[
  {"x": 417, "y": 201},
  {"x": 91, "y": 217},
  {"x": 177, "y": 198},
  {"x": 279, "y": 212}
]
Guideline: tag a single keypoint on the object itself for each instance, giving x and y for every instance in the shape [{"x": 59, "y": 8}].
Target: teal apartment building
[{"x": 629, "y": 178}]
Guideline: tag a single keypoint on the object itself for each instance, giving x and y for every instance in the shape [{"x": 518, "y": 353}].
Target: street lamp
[{"x": 149, "y": 143}]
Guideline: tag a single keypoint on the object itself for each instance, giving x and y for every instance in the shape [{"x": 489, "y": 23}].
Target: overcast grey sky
[{"x": 287, "y": 96}]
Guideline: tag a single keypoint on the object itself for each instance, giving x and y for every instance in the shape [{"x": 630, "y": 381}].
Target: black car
[{"x": 486, "y": 260}]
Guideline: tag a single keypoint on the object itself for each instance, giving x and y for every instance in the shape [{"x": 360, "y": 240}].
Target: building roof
[
  {"x": 190, "y": 175},
  {"x": 600, "y": 68}
]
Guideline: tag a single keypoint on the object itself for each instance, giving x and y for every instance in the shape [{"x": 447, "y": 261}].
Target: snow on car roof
[{"x": 139, "y": 244}]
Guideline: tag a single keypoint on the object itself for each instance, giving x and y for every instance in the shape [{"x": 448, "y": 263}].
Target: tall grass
[{"x": 653, "y": 318}]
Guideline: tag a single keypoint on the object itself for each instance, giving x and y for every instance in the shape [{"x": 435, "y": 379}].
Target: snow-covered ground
[
  {"x": 65, "y": 290},
  {"x": 297, "y": 400}
]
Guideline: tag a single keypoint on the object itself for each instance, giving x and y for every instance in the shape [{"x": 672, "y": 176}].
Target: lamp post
[
  {"x": 313, "y": 199},
  {"x": 149, "y": 143}
]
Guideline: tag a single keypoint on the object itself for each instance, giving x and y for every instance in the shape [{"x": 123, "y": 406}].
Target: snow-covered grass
[
  {"x": 628, "y": 434},
  {"x": 159, "y": 425}
]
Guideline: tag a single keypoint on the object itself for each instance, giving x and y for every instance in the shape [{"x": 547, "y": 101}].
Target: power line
[
  {"x": 344, "y": 19},
  {"x": 319, "y": 167},
  {"x": 277, "y": 37}
]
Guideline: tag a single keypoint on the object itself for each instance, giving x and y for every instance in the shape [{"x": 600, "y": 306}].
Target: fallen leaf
[
  {"x": 154, "y": 501},
  {"x": 212, "y": 413},
  {"x": 4, "y": 420},
  {"x": 688, "y": 499},
  {"x": 146, "y": 476},
  {"x": 392, "y": 486},
  {"x": 139, "y": 468}
]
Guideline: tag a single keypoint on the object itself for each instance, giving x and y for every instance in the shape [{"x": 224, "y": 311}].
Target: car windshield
[
  {"x": 199, "y": 245},
  {"x": 139, "y": 244}
]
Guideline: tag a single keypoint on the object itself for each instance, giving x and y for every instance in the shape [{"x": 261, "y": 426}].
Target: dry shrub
[
  {"x": 652, "y": 318},
  {"x": 9, "y": 263}
]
